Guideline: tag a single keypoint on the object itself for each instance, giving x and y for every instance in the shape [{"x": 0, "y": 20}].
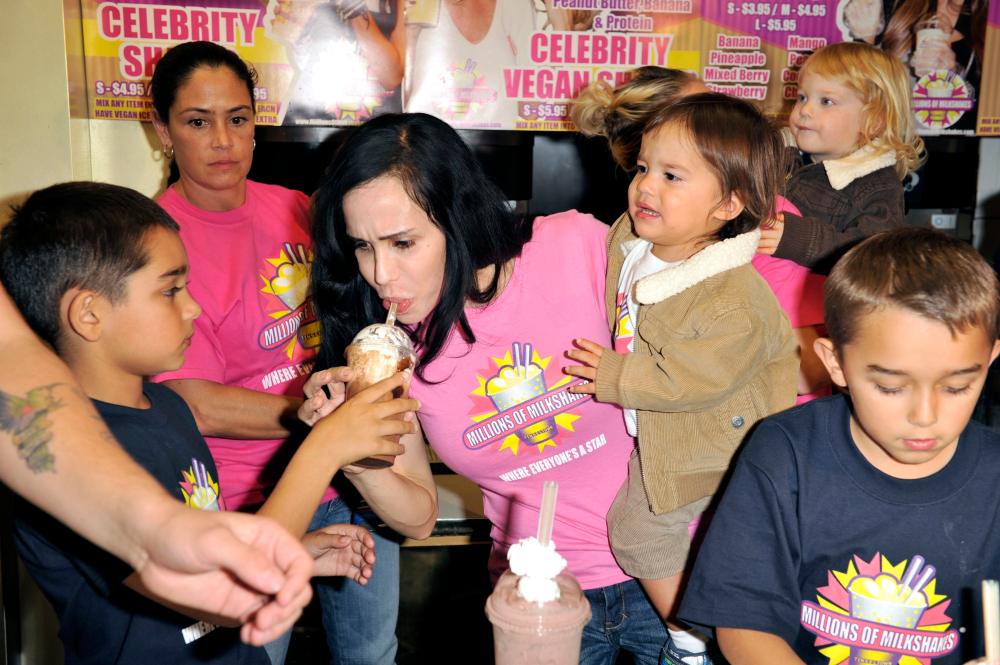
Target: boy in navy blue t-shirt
[
  {"x": 856, "y": 529},
  {"x": 100, "y": 273}
]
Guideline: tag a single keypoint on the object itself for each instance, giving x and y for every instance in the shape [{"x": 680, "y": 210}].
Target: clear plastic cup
[
  {"x": 528, "y": 633},
  {"x": 376, "y": 353},
  {"x": 933, "y": 41}
]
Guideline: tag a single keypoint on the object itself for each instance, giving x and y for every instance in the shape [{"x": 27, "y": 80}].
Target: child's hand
[
  {"x": 589, "y": 353},
  {"x": 770, "y": 235},
  {"x": 341, "y": 549},
  {"x": 317, "y": 404},
  {"x": 370, "y": 423}
]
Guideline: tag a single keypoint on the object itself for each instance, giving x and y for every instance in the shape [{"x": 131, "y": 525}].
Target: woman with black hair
[
  {"x": 249, "y": 249},
  {"x": 406, "y": 216}
]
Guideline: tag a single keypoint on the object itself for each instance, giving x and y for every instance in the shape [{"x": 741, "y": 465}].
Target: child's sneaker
[{"x": 674, "y": 655}]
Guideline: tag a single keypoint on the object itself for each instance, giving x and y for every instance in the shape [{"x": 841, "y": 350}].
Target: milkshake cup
[
  {"x": 530, "y": 633},
  {"x": 538, "y": 611},
  {"x": 933, "y": 37},
  {"x": 376, "y": 353}
]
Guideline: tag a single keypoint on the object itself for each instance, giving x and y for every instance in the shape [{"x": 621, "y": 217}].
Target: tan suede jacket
[{"x": 714, "y": 353}]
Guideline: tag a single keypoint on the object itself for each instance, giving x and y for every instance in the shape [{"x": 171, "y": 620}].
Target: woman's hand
[
  {"x": 344, "y": 550},
  {"x": 318, "y": 404},
  {"x": 589, "y": 355}
]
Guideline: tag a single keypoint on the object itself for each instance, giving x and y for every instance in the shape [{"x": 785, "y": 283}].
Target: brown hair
[
  {"x": 620, "y": 114},
  {"x": 899, "y": 36},
  {"x": 739, "y": 144},
  {"x": 922, "y": 270},
  {"x": 883, "y": 84}
]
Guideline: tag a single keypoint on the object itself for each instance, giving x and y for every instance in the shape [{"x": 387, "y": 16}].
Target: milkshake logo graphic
[
  {"x": 464, "y": 91},
  {"x": 940, "y": 98},
  {"x": 624, "y": 328},
  {"x": 879, "y": 613},
  {"x": 520, "y": 400},
  {"x": 199, "y": 489},
  {"x": 287, "y": 279}
]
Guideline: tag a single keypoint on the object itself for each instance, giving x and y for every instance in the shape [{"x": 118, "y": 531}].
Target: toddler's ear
[
  {"x": 729, "y": 208},
  {"x": 82, "y": 311}
]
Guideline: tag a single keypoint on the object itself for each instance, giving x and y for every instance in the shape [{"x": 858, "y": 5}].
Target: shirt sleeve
[
  {"x": 814, "y": 242},
  {"x": 746, "y": 572}
]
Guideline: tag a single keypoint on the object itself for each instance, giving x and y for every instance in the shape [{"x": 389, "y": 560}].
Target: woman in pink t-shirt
[
  {"x": 254, "y": 345},
  {"x": 620, "y": 114},
  {"x": 406, "y": 216}
]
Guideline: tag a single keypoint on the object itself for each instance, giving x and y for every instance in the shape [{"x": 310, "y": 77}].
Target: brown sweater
[{"x": 714, "y": 353}]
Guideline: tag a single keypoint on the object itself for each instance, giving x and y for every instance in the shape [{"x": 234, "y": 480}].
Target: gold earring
[
  {"x": 168, "y": 152},
  {"x": 253, "y": 144}
]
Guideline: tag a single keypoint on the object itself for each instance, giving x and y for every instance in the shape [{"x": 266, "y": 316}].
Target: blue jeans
[
  {"x": 360, "y": 621},
  {"x": 622, "y": 618}
]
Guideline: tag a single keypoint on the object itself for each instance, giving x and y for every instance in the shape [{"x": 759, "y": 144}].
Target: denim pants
[
  {"x": 359, "y": 621},
  {"x": 622, "y": 618}
]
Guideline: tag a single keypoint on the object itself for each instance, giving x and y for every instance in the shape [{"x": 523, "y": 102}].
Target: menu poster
[
  {"x": 518, "y": 64},
  {"x": 989, "y": 102},
  {"x": 310, "y": 67},
  {"x": 753, "y": 50}
]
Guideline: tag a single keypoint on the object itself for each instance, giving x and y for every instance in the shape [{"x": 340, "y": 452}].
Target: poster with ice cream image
[
  {"x": 880, "y": 612},
  {"x": 285, "y": 281},
  {"x": 521, "y": 404}
]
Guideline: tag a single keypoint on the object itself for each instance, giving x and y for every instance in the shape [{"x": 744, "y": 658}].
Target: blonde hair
[
  {"x": 620, "y": 114},
  {"x": 883, "y": 84}
]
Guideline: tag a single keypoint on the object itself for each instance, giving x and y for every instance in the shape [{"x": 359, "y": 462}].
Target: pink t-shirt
[
  {"x": 250, "y": 274},
  {"x": 503, "y": 418},
  {"x": 799, "y": 291}
]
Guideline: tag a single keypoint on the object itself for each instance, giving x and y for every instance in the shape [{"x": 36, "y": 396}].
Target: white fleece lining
[
  {"x": 714, "y": 259},
  {"x": 842, "y": 172}
]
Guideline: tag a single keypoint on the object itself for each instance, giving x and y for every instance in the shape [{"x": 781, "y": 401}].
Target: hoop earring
[
  {"x": 253, "y": 144},
  {"x": 168, "y": 152}
]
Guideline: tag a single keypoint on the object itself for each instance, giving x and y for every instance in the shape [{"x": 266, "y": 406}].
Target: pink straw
[{"x": 547, "y": 514}]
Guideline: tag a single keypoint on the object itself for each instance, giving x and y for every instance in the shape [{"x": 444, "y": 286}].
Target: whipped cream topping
[
  {"x": 537, "y": 566},
  {"x": 379, "y": 334}
]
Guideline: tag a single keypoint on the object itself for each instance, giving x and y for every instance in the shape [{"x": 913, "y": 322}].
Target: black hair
[
  {"x": 180, "y": 62},
  {"x": 443, "y": 177},
  {"x": 76, "y": 234}
]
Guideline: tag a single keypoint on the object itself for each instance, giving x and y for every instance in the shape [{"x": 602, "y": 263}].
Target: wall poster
[{"x": 516, "y": 64}]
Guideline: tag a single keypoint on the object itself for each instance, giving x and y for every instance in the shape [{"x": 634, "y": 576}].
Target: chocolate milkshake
[
  {"x": 376, "y": 353},
  {"x": 538, "y": 613}
]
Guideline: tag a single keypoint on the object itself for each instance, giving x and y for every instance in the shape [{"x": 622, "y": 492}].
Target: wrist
[{"x": 140, "y": 522}]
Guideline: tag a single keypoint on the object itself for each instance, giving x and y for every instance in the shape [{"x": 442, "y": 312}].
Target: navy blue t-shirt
[
  {"x": 100, "y": 620},
  {"x": 814, "y": 544}
]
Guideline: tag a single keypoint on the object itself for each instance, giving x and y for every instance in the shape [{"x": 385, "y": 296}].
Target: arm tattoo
[{"x": 27, "y": 420}]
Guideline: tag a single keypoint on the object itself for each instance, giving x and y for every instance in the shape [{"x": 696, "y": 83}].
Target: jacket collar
[
  {"x": 714, "y": 259},
  {"x": 842, "y": 172}
]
